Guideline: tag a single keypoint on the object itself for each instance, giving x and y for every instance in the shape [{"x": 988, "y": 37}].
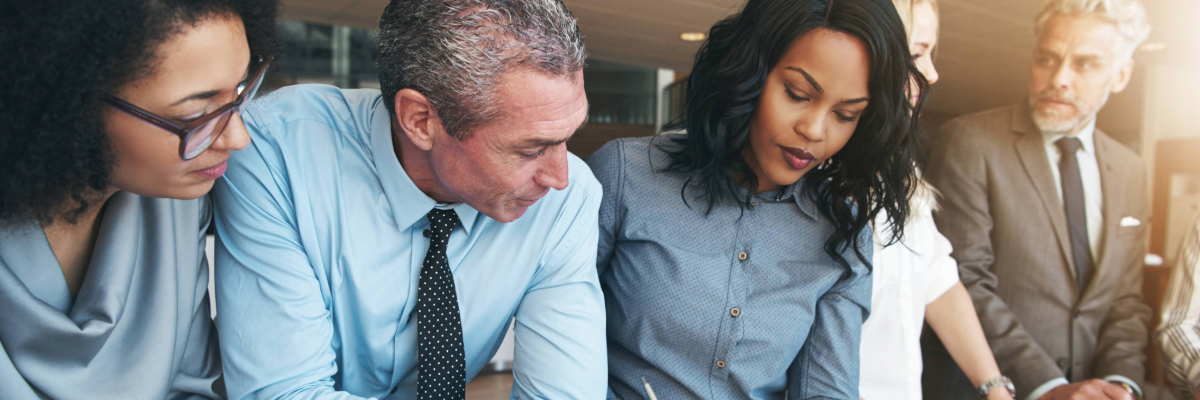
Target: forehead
[
  {"x": 208, "y": 55},
  {"x": 536, "y": 104},
  {"x": 925, "y": 23},
  {"x": 1085, "y": 34},
  {"x": 836, "y": 60}
]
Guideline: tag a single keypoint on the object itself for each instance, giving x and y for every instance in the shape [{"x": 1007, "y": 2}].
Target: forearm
[{"x": 952, "y": 317}]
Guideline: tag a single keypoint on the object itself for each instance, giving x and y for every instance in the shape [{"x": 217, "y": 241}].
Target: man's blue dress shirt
[
  {"x": 730, "y": 304},
  {"x": 320, "y": 250}
]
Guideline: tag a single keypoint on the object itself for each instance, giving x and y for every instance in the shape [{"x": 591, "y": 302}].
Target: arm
[
  {"x": 1121, "y": 347},
  {"x": 276, "y": 332},
  {"x": 1178, "y": 336},
  {"x": 609, "y": 170},
  {"x": 559, "y": 335},
  {"x": 949, "y": 310},
  {"x": 952, "y": 317},
  {"x": 960, "y": 173},
  {"x": 827, "y": 366}
]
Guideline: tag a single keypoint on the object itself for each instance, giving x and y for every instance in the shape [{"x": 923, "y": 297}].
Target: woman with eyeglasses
[{"x": 115, "y": 119}]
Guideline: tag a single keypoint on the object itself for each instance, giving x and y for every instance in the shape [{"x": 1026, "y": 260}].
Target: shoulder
[
  {"x": 301, "y": 109},
  {"x": 639, "y": 158},
  {"x": 581, "y": 180},
  {"x": 1122, "y": 155},
  {"x": 980, "y": 126}
]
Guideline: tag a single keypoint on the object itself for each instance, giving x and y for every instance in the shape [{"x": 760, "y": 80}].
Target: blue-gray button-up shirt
[{"x": 736, "y": 304}]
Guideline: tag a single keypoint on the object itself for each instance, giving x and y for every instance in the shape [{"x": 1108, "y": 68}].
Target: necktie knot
[
  {"x": 1068, "y": 145},
  {"x": 441, "y": 223}
]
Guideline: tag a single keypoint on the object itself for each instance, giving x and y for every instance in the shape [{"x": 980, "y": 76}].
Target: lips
[
  {"x": 797, "y": 158},
  {"x": 213, "y": 172}
]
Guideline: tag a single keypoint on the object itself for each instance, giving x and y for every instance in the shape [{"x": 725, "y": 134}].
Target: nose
[
  {"x": 1062, "y": 76},
  {"x": 553, "y": 172},
  {"x": 235, "y": 136},
  {"x": 812, "y": 127},
  {"x": 931, "y": 74}
]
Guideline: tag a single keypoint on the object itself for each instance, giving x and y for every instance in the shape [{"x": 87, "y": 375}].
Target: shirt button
[
  {"x": 753, "y": 204},
  {"x": 742, "y": 256},
  {"x": 720, "y": 364},
  {"x": 735, "y": 312},
  {"x": 426, "y": 233}
]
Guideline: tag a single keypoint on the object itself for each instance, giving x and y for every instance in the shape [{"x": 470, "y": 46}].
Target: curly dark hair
[
  {"x": 61, "y": 56},
  {"x": 875, "y": 171}
]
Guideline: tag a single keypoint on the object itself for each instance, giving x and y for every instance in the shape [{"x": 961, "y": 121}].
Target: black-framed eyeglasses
[{"x": 198, "y": 135}]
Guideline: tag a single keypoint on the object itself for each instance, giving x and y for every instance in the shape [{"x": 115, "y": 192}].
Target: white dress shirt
[
  {"x": 907, "y": 276},
  {"x": 1089, "y": 171}
]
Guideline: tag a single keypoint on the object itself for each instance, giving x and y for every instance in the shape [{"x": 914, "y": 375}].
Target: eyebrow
[
  {"x": 208, "y": 94},
  {"x": 809, "y": 78},
  {"x": 817, "y": 86}
]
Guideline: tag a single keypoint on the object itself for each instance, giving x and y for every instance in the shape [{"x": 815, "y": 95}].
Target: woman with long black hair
[
  {"x": 735, "y": 257},
  {"x": 116, "y": 117}
]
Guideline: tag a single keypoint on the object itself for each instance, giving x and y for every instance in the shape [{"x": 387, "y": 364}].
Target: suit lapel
[
  {"x": 1110, "y": 187},
  {"x": 1031, "y": 149}
]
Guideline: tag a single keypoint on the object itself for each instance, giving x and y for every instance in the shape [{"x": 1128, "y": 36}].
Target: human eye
[
  {"x": 846, "y": 118},
  {"x": 534, "y": 155},
  {"x": 793, "y": 95}
]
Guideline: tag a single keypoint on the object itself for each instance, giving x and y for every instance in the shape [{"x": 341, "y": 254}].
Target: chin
[{"x": 183, "y": 192}]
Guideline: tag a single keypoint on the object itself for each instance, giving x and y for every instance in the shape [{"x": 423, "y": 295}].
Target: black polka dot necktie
[{"x": 441, "y": 366}]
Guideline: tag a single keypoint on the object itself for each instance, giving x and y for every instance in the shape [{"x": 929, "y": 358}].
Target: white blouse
[{"x": 907, "y": 276}]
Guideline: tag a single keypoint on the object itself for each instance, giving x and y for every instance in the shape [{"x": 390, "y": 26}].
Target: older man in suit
[{"x": 1047, "y": 217}]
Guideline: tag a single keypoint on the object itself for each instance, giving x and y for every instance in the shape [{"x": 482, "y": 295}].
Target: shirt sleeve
[
  {"x": 275, "y": 329},
  {"x": 942, "y": 272},
  {"x": 559, "y": 336},
  {"x": 1177, "y": 335},
  {"x": 608, "y": 167},
  {"x": 827, "y": 366}
]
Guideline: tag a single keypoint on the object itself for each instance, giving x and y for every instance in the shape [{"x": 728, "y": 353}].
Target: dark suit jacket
[{"x": 1002, "y": 214}]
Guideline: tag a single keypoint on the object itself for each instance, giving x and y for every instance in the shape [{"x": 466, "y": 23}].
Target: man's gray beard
[{"x": 1051, "y": 125}]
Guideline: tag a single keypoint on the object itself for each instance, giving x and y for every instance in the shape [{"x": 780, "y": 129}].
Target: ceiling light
[
  {"x": 1153, "y": 46},
  {"x": 693, "y": 36}
]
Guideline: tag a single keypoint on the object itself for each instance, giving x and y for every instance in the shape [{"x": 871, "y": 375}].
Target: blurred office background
[{"x": 640, "y": 56}]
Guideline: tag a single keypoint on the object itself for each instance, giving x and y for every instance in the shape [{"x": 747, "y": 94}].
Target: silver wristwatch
[{"x": 999, "y": 381}]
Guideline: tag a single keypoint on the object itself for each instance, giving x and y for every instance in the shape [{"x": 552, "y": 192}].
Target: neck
[
  {"x": 419, "y": 166},
  {"x": 764, "y": 184},
  {"x": 72, "y": 241}
]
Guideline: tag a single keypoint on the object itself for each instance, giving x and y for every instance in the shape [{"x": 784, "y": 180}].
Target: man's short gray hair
[
  {"x": 455, "y": 51},
  {"x": 1128, "y": 15}
]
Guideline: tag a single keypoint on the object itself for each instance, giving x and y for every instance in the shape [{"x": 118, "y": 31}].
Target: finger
[{"x": 1114, "y": 391}]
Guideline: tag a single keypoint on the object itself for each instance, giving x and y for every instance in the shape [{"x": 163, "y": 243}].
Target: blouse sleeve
[
  {"x": 827, "y": 366},
  {"x": 942, "y": 272}
]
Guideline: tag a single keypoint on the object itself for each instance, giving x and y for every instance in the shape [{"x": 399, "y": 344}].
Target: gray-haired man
[
  {"x": 378, "y": 244},
  {"x": 1046, "y": 215}
]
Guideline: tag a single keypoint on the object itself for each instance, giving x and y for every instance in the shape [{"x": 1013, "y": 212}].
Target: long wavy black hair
[
  {"x": 874, "y": 172},
  {"x": 60, "y": 57}
]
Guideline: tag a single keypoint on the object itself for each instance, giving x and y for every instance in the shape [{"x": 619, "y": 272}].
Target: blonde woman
[{"x": 916, "y": 280}]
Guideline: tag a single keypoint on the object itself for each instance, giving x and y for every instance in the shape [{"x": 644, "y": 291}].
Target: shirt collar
[
  {"x": 793, "y": 192},
  {"x": 1087, "y": 136},
  {"x": 409, "y": 204}
]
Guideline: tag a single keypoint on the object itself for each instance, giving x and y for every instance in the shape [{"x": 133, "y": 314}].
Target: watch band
[
  {"x": 1128, "y": 388},
  {"x": 999, "y": 381}
]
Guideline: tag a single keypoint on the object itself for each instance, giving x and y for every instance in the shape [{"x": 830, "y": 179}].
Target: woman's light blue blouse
[{"x": 735, "y": 304}]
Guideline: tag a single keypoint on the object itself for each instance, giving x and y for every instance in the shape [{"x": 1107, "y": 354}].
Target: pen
[{"x": 649, "y": 391}]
